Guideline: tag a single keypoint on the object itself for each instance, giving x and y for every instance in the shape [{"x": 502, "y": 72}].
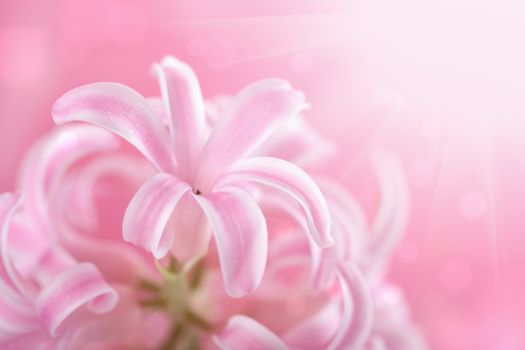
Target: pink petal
[
  {"x": 82, "y": 284},
  {"x": 12, "y": 286},
  {"x": 241, "y": 237},
  {"x": 297, "y": 142},
  {"x": 123, "y": 111},
  {"x": 157, "y": 105},
  {"x": 27, "y": 244},
  {"x": 348, "y": 229},
  {"x": 13, "y": 320},
  {"x": 357, "y": 313},
  {"x": 291, "y": 180},
  {"x": 52, "y": 157},
  {"x": 117, "y": 261},
  {"x": 8, "y": 203},
  {"x": 79, "y": 198},
  {"x": 244, "y": 333},
  {"x": 344, "y": 325},
  {"x": 89, "y": 224},
  {"x": 392, "y": 216},
  {"x": 288, "y": 268},
  {"x": 191, "y": 231},
  {"x": 215, "y": 107},
  {"x": 185, "y": 106},
  {"x": 249, "y": 119},
  {"x": 275, "y": 205},
  {"x": 340, "y": 199},
  {"x": 377, "y": 343},
  {"x": 146, "y": 218},
  {"x": 38, "y": 339},
  {"x": 120, "y": 324},
  {"x": 315, "y": 332}
]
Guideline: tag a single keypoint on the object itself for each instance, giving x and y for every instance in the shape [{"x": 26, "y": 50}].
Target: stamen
[{"x": 172, "y": 295}]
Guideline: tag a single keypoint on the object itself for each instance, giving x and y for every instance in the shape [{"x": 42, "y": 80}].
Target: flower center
[{"x": 173, "y": 296}]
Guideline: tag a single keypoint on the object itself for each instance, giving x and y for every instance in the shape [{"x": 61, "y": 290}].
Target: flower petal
[
  {"x": 123, "y": 111},
  {"x": 293, "y": 181},
  {"x": 249, "y": 119},
  {"x": 185, "y": 106},
  {"x": 244, "y": 333},
  {"x": 357, "y": 313},
  {"x": 377, "y": 343},
  {"x": 79, "y": 197},
  {"x": 13, "y": 320},
  {"x": 392, "y": 216},
  {"x": 191, "y": 231},
  {"x": 50, "y": 158},
  {"x": 12, "y": 286},
  {"x": 298, "y": 142},
  {"x": 79, "y": 285},
  {"x": 148, "y": 213},
  {"x": 348, "y": 230},
  {"x": 38, "y": 339},
  {"x": 342, "y": 324},
  {"x": 241, "y": 238},
  {"x": 315, "y": 332},
  {"x": 121, "y": 323}
]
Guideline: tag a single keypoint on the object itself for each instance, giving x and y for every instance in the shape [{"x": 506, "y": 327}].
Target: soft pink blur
[{"x": 439, "y": 82}]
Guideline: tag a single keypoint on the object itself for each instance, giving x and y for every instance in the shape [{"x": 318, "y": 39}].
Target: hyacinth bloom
[
  {"x": 69, "y": 281},
  {"x": 202, "y": 175},
  {"x": 172, "y": 291}
]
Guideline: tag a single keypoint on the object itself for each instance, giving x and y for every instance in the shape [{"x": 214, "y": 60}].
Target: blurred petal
[
  {"x": 185, "y": 107},
  {"x": 348, "y": 230},
  {"x": 215, "y": 107},
  {"x": 298, "y": 142},
  {"x": 146, "y": 218},
  {"x": 357, "y": 313},
  {"x": 274, "y": 205},
  {"x": 340, "y": 325},
  {"x": 377, "y": 343},
  {"x": 122, "y": 321},
  {"x": 241, "y": 238},
  {"x": 291, "y": 180},
  {"x": 14, "y": 318},
  {"x": 12, "y": 286},
  {"x": 79, "y": 198},
  {"x": 315, "y": 332},
  {"x": 121, "y": 110},
  {"x": 79, "y": 285},
  {"x": 392, "y": 216},
  {"x": 288, "y": 269},
  {"x": 38, "y": 340},
  {"x": 244, "y": 333},
  {"x": 50, "y": 158},
  {"x": 340, "y": 199},
  {"x": 157, "y": 105},
  {"x": 249, "y": 119}
]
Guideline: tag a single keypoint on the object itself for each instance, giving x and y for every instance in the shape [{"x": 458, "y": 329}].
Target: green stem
[{"x": 175, "y": 335}]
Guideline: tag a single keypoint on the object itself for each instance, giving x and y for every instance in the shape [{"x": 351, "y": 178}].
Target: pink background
[{"x": 439, "y": 82}]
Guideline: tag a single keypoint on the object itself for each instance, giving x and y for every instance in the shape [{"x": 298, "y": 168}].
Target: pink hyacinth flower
[
  {"x": 44, "y": 293},
  {"x": 43, "y": 178},
  {"x": 201, "y": 177}
]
